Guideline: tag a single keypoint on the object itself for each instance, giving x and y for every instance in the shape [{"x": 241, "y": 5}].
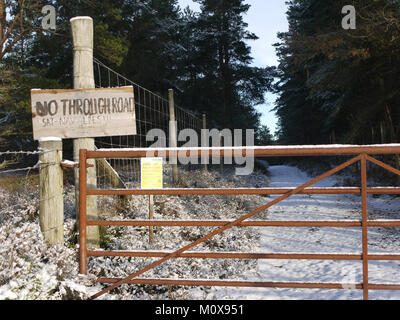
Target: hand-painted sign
[{"x": 80, "y": 113}]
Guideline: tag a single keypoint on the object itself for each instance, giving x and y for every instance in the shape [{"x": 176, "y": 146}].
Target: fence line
[
  {"x": 37, "y": 166},
  {"x": 39, "y": 151},
  {"x": 152, "y": 112},
  {"x": 4, "y": 162}
]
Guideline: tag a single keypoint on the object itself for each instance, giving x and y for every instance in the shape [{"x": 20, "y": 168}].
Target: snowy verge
[{"x": 29, "y": 269}]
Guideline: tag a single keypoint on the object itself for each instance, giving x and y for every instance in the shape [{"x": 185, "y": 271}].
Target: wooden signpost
[{"x": 81, "y": 113}]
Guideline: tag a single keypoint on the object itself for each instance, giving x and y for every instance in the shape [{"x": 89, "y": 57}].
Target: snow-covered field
[{"x": 31, "y": 270}]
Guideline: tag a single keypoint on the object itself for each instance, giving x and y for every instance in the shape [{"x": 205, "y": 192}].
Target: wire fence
[
  {"x": 19, "y": 181},
  {"x": 10, "y": 161},
  {"x": 152, "y": 112}
]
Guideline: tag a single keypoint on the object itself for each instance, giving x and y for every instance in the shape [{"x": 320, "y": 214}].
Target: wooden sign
[
  {"x": 151, "y": 173},
  {"x": 83, "y": 113}
]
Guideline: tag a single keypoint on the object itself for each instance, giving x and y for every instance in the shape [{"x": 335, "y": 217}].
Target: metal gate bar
[
  {"x": 364, "y": 224},
  {"x": 240, "y": 191},
  {"x": 223, "y": 225},
  {"x": 245, "y": 255},
  {"x": 253, "y": 284},
  {"x": 251, "y": 223}
]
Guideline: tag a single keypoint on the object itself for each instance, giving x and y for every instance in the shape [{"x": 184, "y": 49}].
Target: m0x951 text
[{"x": 224, "y": 309}]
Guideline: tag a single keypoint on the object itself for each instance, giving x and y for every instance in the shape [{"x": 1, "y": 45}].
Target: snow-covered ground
[
  {"x": 321, "y": 240},
  {"x": 31, "y": 270}
]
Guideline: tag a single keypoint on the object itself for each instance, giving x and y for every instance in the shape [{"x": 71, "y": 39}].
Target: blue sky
[{"x": 265, "y": 18}]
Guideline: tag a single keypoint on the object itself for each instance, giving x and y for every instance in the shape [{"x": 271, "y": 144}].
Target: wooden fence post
[
  {"x": 172, "y": 135},
  {"x": 221, "y": 159},
  {"x": 82, "y": 37},
  {"x": 51, "y": 212},
  {"x": 204, "y": 137},
  {"x": 151, "y": 217}
]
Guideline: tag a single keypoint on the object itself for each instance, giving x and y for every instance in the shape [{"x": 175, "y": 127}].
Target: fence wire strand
[
  {"x": 152, "y": 111},
  {"x": 23, "y": 180}
]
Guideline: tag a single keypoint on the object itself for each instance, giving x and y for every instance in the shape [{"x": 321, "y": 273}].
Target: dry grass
[{"x": 18, "y": 183}]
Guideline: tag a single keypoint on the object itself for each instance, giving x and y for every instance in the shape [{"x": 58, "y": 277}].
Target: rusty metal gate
[{"x": 360, "y": 153}]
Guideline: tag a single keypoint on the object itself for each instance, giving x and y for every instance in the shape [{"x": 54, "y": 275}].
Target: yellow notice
[{"x": 151, "y": 173}]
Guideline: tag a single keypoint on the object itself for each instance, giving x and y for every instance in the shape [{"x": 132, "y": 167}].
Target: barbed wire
[
  {"x": 39, "y": 151},
  {"x": 36, "y": 200},
  {"x": 38, "y": 165}
]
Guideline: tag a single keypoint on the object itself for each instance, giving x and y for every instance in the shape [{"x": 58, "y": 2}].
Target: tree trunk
[
  {"x": 2, "y": 22},
  {"x": 224, "y": 89}
]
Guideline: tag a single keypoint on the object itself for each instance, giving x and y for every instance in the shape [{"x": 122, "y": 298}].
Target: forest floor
[{"x": 29, "y": 269}]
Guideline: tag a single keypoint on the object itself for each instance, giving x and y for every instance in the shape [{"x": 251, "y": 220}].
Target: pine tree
[
  {"x": 154, "y": 36},
  {"x": 53, "y": 51},
  {"x": 204, "y": 57},
  {"x": 226, "y": 84},
  {"x": 339, "y": 85}
]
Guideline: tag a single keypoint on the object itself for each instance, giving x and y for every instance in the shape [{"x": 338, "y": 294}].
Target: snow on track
[{"x": 320, "y": 240}]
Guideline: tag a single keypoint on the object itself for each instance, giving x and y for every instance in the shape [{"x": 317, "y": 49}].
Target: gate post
[
  {"x": 82, "y": 37},
  {"x": 82, "y": 212},
  {"x": 364, "y": 224}
]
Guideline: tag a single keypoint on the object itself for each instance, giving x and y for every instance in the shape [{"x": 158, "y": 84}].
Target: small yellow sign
[{"x": 151, "y": 173}]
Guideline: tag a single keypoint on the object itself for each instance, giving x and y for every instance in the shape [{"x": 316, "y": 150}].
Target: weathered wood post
[
  {"x": 82, "y": 37},
  {"x": 51, "y": 212},
  {"x": 203, "y": 139},
  {"x": 151, "y": 217},
  {"x": 172, "y": 135},
  {"x": 221, "y": 159}
]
